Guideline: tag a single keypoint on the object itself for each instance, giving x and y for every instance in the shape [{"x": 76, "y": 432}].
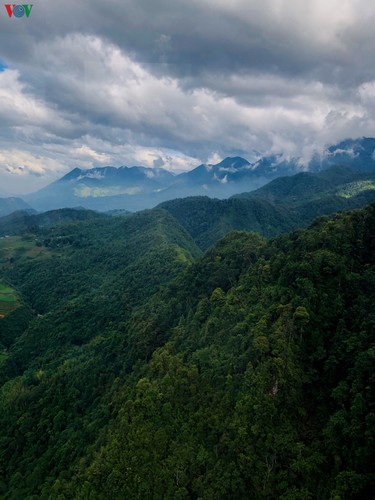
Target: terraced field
[
  {"x": 8, "y": 300},
  {"x": 15, "y": 248}
]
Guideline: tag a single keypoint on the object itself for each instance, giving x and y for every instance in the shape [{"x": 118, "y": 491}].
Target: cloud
[
  {"x": 173, "y": 84},
  {"x": 22, "y": 163},
  {"x": 366, "y": 93},
  {"x": 214, "y": 158},
  {"x": 167, "y": 159},
  {"x": 288, "y": 37},
  {"x": 21, "y": 171},
  {"x": 91, "y": 155},
  {"x": 19, "y": 105}
]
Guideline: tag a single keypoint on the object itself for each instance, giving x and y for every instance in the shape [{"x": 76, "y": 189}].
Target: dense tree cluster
[
  {"x": 142, "y": 369},
  {"x": 282, "y": 205}
]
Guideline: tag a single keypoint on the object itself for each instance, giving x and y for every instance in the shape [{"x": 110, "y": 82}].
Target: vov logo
[{"x": 19, "y": 10}]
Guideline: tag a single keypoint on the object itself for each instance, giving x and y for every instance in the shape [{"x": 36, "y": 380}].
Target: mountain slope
[
  {"x": 104, "y": 188},
  {"x": 208, "y": 220},
  {"x": 263, "y": 390},
  {"x": 106, "y": 262},
  {"x": 9, "y": 205},
  {"x": 21, "y": 222},
  {"x": 358, "y": 154},
  {"x": 305, "y": 186},
  {"x": 247, "y": 375},
  {"x": 78, "y": 291},
  {"x": 280, "y": 206}
]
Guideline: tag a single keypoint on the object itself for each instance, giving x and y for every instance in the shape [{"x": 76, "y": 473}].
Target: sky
[{"x": 176, "y": 83}]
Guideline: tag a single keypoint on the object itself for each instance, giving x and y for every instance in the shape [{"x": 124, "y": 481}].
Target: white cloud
[
  {"x": 91, "y": 155},
  {"x": 19, "y": 106},
  {"x": 167, "y": 159},
  {"x": 22, "y": 172},
  {"x": 222, "y": 180},
  {"x": 349, "y": 152},
  {"x": 366, "y": 93},
  {"x": 22, "y": 163},
  {"x": 214, "y": 158}
]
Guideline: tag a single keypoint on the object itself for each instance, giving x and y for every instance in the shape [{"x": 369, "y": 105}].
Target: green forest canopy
[{"x": 138, "y": 368}]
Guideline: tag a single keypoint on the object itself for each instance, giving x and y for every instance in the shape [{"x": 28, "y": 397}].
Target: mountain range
[
  {"x": 282, "y": 205},
  {"x": 136, "y": 188}
]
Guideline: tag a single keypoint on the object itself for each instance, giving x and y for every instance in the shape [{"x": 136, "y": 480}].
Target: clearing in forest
[{"x": 8, "y": 300}]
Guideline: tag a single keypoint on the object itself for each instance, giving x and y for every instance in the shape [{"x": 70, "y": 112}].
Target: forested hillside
[
  {"x": 303, "y": 187},
  {"x": 208, "y": 220},
  {"x": 22, "y": 222},
  {"x": 143, "y": 370},
  {"x": 282, "y": 205}
]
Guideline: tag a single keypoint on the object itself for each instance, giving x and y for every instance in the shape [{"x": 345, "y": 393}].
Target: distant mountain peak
[
  {"x": 12, "y": 204},
  {"x": 73, "y": 174},
  {"x": 232, "y": 163}
]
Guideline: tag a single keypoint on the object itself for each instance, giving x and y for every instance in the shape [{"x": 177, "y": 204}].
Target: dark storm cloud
[{"x": 290, "y": 37}]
